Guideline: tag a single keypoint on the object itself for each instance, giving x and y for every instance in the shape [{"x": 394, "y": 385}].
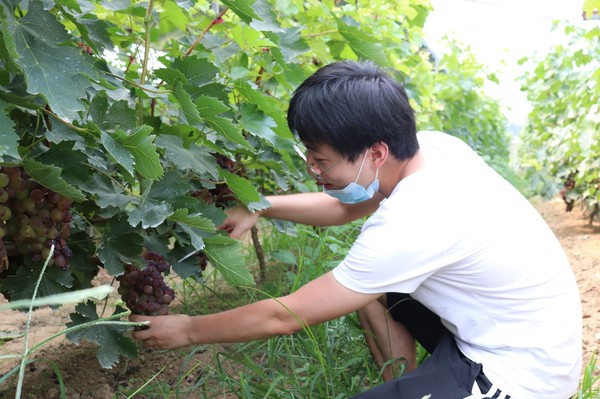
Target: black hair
[{"x": 350, "y": 106}]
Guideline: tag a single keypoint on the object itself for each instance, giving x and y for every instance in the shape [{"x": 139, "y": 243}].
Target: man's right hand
[{"x": 239, "y": 220}]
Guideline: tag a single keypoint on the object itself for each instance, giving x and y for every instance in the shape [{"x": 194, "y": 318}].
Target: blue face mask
[{"x": 354, "y": 192}]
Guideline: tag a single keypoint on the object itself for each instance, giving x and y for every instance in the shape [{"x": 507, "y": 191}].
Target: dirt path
[{"x": 84, "y": 378}]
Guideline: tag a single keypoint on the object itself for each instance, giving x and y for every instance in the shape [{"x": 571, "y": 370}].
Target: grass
[{"x": 326, "y": 361}]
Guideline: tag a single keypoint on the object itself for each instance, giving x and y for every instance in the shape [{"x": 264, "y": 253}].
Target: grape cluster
[
  {"x": 221, "y": 195},
  {"x": 34, "y": 217},
  {"x": 145, "y": 291},
  {"x": 202, "y": 260}
]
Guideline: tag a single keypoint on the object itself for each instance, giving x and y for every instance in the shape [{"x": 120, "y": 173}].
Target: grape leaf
[
  {"x": 224, "y": 254},
  {"x": 118, "y": 116},
  {"x": 60, "y": 133},
  {"x": 107, "y": 192},
  {"x": 268, "y": 105},
  {"x": 258, "y": 123},
  {"x": 364, "y": 45},
  {"x": 242, "y": 188},
  {"x": 169, "y": 187},
  {"x": 71, "y": 165},
  {"x": 119, "y": 244},
  {"x": 188, "y": 267},
  {"x": 109, "y": 337},
  {"x": 139, "y": 143},
  {"x": 93, "y": 31},
  {"x": 196, "y": 159},
  {"x": 181, "y": 217},
  {"x": 172, "y": 17},
  {"x": 242, "y": 9},
  {"x": 50, "y": 68},
  {"x": 118, "y": 152},
  {"x": 22, "y": 284},
  {"x": 291, "y": 44},
  {"x": 149, "y": 211},
  {"x": 8, "y": 139},
  {"x": 170, "y": 76},
  {"x": 198, "y": 72},
  {"x": 49, "y": 176},
  {"x": 190, "y": 111},
  {"x": 210, "y": 108},
  {"x": 267, "y": 20}
]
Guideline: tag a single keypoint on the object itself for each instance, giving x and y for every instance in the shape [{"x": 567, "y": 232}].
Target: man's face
[{"x": 333, "y": 170}]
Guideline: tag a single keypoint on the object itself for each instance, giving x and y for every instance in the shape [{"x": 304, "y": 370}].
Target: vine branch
[{"x": 217, "y": 20}]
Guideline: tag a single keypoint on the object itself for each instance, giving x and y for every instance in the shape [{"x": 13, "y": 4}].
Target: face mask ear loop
[{"x": 361, "y": 165}]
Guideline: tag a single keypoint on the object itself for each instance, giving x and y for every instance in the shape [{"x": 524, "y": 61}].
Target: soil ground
[{"x": 83, "y": 377}]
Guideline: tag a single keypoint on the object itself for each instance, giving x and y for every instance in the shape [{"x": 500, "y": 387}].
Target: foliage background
[{"x": 127, "y": 107}]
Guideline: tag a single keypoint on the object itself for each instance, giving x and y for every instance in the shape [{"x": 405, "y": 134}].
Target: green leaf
[
  {"x": 188, "y": 267},
  {"x": 109, "y": 337},
  {"x": 172, "y": 16},
  {"x": 107, "y": 192},
  {"x": 196, "y": 237},
  {"x": 364, "y": 45},
  {"x": 245, "y": 191},
  {"x": 118, "y": 152},
  {"x": 267, "y": 20},
  {"x": 242, "y": 9},
  {"x": 268, "y": 105},
  {"x": 8, "y": 48},
  {"x": 198, "y": 72},
  {"x": 290, "y": 43},
  {"x": 72, "y": 166},
  {"x": 139, "y": 143},
  {"x": 118, "y": 116},
  {"x": 169, "y": 187},
  {"x": 225, "y": 255},
  {"x": 8, "y": 139},
  {"x": 209, "y": 108},
  {"x": 258, "y": 205},
  {"x": 51, "y": 69},
  {"x": 50, "y": 177},
  {"x": 181, "y": 216},
  {"x": 196, "y": 159},
  {"x": 148, "y": 211},
  {"x": 22, "y": 284},
  {"x": 94, "y": 32},
  {"x": 120, "y": 244},
  {"x": 257, "y": 123},
  {"x": 188, "y": 107},
  {"x": 242, "y": 188},
  {"x": 170, "y": 76}
]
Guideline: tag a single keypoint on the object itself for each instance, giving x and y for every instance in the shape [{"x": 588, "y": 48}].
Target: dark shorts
[{"x": 446, "y": 374}]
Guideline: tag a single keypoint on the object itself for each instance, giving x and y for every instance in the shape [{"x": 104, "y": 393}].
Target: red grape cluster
[
  {"x": 202, "y": 260},
  {"x": 34, "y": 217},
  {"x": 145, "y": 291},
  {"x": 221, "y": 195}
]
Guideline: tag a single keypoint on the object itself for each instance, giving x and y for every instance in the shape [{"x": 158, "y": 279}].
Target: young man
[{"x": 452, "y": 254}]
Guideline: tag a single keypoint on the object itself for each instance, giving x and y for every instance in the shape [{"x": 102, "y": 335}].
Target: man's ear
[{"x": 379, "y": 152}]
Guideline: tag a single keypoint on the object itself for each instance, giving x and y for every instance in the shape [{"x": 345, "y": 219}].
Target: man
[{"x": 452, "y": 254}]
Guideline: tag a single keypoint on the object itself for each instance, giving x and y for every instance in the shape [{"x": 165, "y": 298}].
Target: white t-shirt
[{"x": 467, "y": 245}]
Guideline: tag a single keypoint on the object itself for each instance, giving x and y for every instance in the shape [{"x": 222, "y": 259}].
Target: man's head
[{"x": 350, "y": 106}]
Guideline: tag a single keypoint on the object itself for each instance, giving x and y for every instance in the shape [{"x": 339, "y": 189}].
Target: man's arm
[
  {"x": 318, "y": 209},
  {"x": 315, "y": 209},
  {"x": 316, "y": 302}
]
